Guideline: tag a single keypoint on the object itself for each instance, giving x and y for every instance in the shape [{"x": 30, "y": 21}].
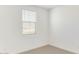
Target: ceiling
[{"x": 48, "y": 6}]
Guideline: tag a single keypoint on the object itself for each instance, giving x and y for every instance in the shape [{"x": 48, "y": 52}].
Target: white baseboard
[
  {"x": 71, "y": 50},
  {"x": 18, "y": 52}
]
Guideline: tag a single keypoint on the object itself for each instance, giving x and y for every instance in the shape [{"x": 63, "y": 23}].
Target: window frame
[{"x": 34, "y": 22}]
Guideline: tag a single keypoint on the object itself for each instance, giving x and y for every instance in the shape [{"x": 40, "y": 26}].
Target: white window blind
[{"x": 29, "y": 16}]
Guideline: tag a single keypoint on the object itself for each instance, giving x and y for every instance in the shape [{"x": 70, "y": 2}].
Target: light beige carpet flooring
[{"x": 47, "y": 50}]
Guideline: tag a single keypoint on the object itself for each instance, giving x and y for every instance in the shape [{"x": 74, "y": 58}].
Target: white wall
[
  {"x": 11, "y": 38},
  {"x": 64, "y": 26}
]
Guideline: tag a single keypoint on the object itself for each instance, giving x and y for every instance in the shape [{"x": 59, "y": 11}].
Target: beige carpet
[{"x": 47, "y": 50}]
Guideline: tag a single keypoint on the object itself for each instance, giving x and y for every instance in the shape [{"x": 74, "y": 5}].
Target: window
[{"x": 29, "y": 20}]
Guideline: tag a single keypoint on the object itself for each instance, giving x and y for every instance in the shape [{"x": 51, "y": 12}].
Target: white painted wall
[
  {"x": 11, "y": 38},
  {"x": 65, "y": 27}
]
